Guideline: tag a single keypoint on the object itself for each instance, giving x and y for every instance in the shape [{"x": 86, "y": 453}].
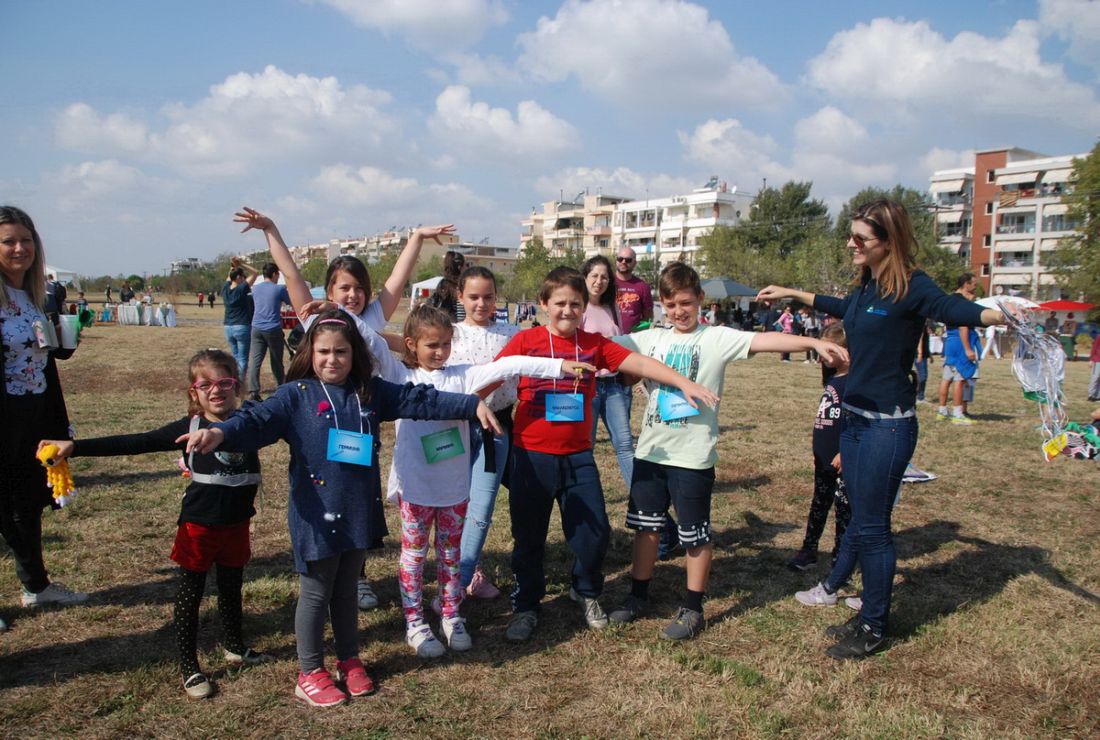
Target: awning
[
  {"x": 1057, "y": 209},
  {"x": 1017, "y": 178},
  {"x": 948, "y": 186},
  {"x": 1049, "y": 243},
  {"x": 949, "y": 217},
  {"x": 1057, "y": 176}
]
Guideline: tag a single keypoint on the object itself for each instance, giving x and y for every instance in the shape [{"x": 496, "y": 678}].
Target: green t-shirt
[{"x": 702, "y": 356}]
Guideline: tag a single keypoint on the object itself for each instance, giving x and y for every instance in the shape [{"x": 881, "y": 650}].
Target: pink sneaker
[
  {"x": 317, "y": 688},
  {"x": 354, "y": 676},
  {"x": 481, "y": 587}
]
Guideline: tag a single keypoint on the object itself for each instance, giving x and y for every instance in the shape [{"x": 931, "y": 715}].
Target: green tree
[
  {"x": 1076, "y": 262},
  {"x": 426, "y": 269},
  {"x": 821, "y": 265},
  {"x": 528, "y": 274},
  {"x": 314, "y": 271},
  {"x": 137, "y": 282}
]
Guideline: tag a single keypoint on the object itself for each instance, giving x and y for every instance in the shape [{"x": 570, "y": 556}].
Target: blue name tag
[
  {"x": 350, "y": 447},
  {"x": 565, "y": 407},
  {"x": 673, "y": 405}
]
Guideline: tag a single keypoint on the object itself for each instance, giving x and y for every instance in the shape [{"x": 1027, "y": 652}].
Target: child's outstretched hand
[
  {"x": 833, "y": 354},
  {"x": 696, "y": 394},
  {"x": 314, "y": 307},
  {"x": 574, "y": 369},
  {"x": 434, "y": 232},
  {"x": 252, "y": 219},
  {"x": 202, "y": 441},
  {"x": 487, "y": 418},
  {"x": 64, "y": 447}
]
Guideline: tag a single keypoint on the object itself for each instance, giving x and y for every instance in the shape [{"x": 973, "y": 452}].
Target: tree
[
  {"x": 1076, "y": 261},
  {"x": 314, "y": 271},
  {"x": 529, "y": 272},
  {"x": 822, "y": 265},
  {"x": 137, "y": 282}
]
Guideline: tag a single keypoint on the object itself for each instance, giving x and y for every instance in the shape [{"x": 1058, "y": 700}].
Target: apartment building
[
  {"x": 664, "y": 229},
  {"x": 1004, "y": 214}
]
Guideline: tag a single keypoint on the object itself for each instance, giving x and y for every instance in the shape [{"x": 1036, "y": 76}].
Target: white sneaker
[
  {"x": 422, "y": 640},
  {"x": 367, "y": 598},
  {"x": 454, "y": 630},
  {"x": 55, "y": 593},
  {"x": 816, "y": 596}
]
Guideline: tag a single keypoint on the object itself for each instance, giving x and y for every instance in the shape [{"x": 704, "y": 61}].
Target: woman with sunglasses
[{"x": 883, "y": 320}]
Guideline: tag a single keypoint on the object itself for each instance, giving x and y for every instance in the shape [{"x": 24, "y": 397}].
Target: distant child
[
  {"x": 430, "y": 475},
  {"x": 329, "y": 412},
  {"x": 348, "y": 284},
  {"x": 677, "y": 448},
  {"x": 1094, "y": 365},
  {"x": 828, "y": 480},
  {"x": 215, "y": 515},
  {"x": 552, "y": 455}
]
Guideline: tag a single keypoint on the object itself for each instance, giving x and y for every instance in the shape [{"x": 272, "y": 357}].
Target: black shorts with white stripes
[{"x": 687, "y": 490}]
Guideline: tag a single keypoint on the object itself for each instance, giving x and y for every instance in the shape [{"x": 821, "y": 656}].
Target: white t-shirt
[
  {"x": 372, "y": 317},
  {"x": 701, "y": 356},
  {"x": 447, "y": 481},
  {"x": 24, "y": 360},
  {"x": 479, "y": 345}
]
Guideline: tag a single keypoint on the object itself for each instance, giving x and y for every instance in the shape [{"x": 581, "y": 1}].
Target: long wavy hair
[
  {"x": 889, "y": 221},
  {"x": 34, "y": 281}
]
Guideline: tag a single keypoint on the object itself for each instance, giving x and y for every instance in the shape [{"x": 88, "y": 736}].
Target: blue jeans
[
  {"x": 921, "y": 366},
  {"x": 874, "y": 453},
  {"x": 611, "y": 402},
  {"x": 239, "y": 338},
  {"x": 483, "y": 499},
  {"x": 538, "y": 479}
]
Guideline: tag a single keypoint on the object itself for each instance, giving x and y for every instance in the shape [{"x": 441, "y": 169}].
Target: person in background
[
  {"x": 920, "y": 365},
  {"x": 1094, "y": 365},
  {"x": 445, "y": 296},
  {"x": 1050, "y": 326},
  {"x": 633, "y": 296},
  {"x": 237, "y": 300},
  {"x": 268, "y": 298},
  {"x": 56, "y": 294},
  {"x": 961, "y": 350}
]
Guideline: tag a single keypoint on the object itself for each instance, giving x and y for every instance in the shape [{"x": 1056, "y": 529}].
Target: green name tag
[{"x": 442, "y": 445}]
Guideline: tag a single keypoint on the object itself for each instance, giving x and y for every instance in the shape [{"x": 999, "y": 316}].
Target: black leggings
[
  {"x": 185, "y": 619},
  {"x": 828, "y": 491}
]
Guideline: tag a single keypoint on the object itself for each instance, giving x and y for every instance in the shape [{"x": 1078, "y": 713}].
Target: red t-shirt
[{"x": 531, "y": 429}]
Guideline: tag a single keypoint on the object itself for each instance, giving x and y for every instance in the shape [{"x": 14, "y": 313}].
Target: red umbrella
[{"x": 1064, "y": 306}]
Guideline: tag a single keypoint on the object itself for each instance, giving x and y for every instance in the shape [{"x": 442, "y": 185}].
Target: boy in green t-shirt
[{"x": 676, "y": 454}]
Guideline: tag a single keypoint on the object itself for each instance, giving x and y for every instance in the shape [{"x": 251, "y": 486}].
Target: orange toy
[{"x": 58, "y": 477}]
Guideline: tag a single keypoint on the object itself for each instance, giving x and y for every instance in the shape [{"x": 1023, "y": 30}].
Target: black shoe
[
  {"x": 841, "y": 631},
  {"x": 862, "y": 644},
  {"x": 802, "y": 560}
]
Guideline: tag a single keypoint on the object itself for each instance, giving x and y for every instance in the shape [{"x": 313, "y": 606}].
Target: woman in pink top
[
  {"x": 786, "y": 321},
  {"x": 612, "y": 399}
]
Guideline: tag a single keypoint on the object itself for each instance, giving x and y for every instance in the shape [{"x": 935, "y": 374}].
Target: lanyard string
[
  {"x": 576, "y": 355},
  {"x": 335, "y": 416}
]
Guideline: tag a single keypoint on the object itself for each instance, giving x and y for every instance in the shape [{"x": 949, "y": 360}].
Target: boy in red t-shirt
[{"x": 552, "y": 456}]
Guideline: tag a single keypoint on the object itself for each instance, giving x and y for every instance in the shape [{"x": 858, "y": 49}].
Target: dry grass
[{"x": 997, "y": 630}]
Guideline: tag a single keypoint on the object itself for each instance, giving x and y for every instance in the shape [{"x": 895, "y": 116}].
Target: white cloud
[
  {"x": 376, "y": 188},
  {"x": 109, "y": 185},
  {"x": 481, "y": 71},
  {"x": 938, "y": 158},
  {"x": 79, "y": 127},
  {"x": 247, "y": 121},
  {"x": 621, "y": 181},
  {"x": 1077, "y": 22},
  {"x": 426, "y": 23},
  {"x": 475, "y": 129},
  {"x": 644, "y": 53},
  {"x": 897, "y": 70},
  {"x": 734, "y": 153}
]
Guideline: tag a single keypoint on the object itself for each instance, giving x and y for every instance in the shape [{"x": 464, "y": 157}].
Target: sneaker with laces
[
  {"x": 55, "y": 593},
  {"x": 854, "y": 602},
  {"x": 816, "y": 596},
  {"x": 863, "y": 643},
  {"x": 198, "y": 686},
  {"x": 942, "y": 415},
  {"x": 686, "y": 624},
  {"x": 963, "y": 420},
  {"x": 422, "y": 640},
  {"x": 454, "y": 631},
  {"x": 802, "y": 560},
  {"x": 628, "y": 611},
  {"x": 355, "y": 677},
  {"x": 481, "y": 587},
  {"x": 367, "y": 598},
  {"x": 840, "y": 631},
  {"x": 521, "y": 626},
  {"x": 317, "y": 689},
  {"x": 594, "y": 614},
  {"x": 248, "y": 657}
]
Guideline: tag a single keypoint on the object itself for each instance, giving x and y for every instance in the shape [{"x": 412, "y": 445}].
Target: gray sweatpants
[{"x": 328, "y": 589}]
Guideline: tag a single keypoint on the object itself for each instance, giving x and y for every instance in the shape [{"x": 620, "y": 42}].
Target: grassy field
[{"x": 996, "y": 625}]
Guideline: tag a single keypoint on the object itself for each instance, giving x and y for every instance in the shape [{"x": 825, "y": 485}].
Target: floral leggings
[{"x": 416, "y": 526}]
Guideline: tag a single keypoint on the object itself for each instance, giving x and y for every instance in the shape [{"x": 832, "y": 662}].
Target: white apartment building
[
  {"x": 583, "y": 223},
  {"x": 953, "y": 194}
]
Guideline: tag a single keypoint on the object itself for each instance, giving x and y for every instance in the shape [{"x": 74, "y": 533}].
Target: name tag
[
  {"x": 673, "y": 405},
  {"x": 350, "y": 447},
  {"x": 442, "y": 445},
  {"x": 565, "y": 407}
]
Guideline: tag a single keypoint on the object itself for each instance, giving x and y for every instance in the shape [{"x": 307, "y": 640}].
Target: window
[
  {"x": 987, "y": 240},
  {"x": 989, "y": 208},
  {"x": 985, "y": 270},
  {"x": 989, "y": 176}
]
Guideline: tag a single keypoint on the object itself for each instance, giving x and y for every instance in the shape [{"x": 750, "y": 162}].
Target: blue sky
[{"x": 135, "y": 129}]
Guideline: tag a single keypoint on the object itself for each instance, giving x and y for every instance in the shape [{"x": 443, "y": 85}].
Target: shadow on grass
[
  {"x": 992, "y": 417},
  {"x": 111, "y": 479}
]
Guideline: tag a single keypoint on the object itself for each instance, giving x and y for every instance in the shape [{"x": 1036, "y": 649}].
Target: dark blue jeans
[
  {"x": 539, "y": 479},
  {"x": 873, "y": 454}
]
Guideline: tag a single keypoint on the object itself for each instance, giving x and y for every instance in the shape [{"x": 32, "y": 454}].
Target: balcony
[
  {"x": 1020, "y": 228},
  {"x": 603, "y": 230},
  {"x": 1006, "y": 264}
]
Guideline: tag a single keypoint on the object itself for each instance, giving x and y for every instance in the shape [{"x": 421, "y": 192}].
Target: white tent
[
  {"x": 63, "y": 275},
  {"x": 423, "y": 289}
]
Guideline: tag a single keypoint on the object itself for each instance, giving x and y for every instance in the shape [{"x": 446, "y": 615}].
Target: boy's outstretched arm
[
  {"x": 391, "y": 292},
  {"x": 295, "y": 283},
  {"x": 774, "y": 341},
  {"x": 647, "y": 367}
]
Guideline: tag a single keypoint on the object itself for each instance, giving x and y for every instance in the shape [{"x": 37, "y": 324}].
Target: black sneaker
[
  {"x": 862, "y": 644},
  {"x": 802, "y": 560},
  {"x": 629, "y": 610},
  {"x": 685, "y": 625},
  {"x": 841, "y": 631}
]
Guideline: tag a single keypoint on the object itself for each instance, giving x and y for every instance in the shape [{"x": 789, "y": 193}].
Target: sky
[{"x": 135, "y": 129}]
